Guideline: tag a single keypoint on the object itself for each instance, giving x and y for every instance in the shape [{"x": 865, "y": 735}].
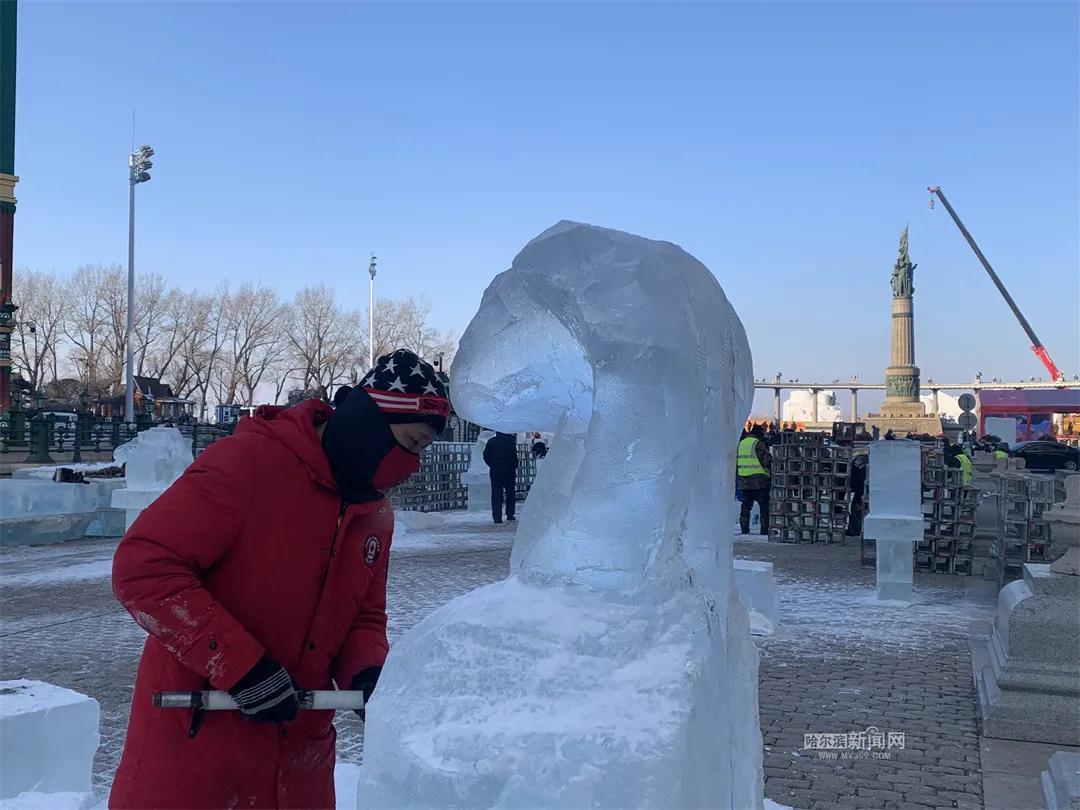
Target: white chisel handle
[{"x": 321, "y": 700}]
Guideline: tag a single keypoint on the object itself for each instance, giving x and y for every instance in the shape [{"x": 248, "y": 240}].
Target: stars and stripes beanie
[{"x": 407, "y": 389}]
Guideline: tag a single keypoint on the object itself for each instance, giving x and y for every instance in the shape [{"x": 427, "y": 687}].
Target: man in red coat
[{"x": 262, "y": 571}]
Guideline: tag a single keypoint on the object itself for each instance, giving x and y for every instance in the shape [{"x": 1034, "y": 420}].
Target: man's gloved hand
[
  {"x": 365, "y": 682},
  {"x": 267, "y": 694}
]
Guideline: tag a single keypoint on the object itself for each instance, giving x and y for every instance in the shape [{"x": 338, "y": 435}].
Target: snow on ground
[
  {"x": 427, "y": 532},
  {"x": 99, "y": 569},
  {"x": 31, "y": 800}
]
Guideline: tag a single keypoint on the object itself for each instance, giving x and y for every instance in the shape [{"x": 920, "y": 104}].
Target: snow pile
[
  {"x": 615, "y": 667},
  {"x": 48, "y": 736}
]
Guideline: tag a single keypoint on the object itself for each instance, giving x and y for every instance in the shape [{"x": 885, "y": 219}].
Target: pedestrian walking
[
  {"x": 754, "y": 478},
  {"x": 500, "y": 454},
  {"x": 262, "y": 571},
  {"x": 539, "y": 446}
]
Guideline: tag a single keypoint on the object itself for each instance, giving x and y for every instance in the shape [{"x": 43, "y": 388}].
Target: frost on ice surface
[
  {"x": 48, "y": 736},
  {"x": 155, "y": 458},
  {"x": 615, "y": 667}
]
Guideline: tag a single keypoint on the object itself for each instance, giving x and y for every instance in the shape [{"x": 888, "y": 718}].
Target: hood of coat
[{"x": 295, "y": 428}]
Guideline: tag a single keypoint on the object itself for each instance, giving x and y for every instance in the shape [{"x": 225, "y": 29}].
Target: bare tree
[
  {"x": 178, "y": 312},
  {"x": 404, "y": 324},
  {"x": 39, "y": 328},
  {"x": 95, "y": 326},
  {"x": 253, "y": 321},
  {"x": 151, "y": 318},
  {"x": 325, "y": 340}
]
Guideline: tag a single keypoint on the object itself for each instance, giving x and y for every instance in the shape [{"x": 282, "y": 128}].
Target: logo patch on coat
[{"x": 371, "y": 550}]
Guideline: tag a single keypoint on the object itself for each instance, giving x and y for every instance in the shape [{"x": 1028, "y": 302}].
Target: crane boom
[{"x": 1036, "y": 344}]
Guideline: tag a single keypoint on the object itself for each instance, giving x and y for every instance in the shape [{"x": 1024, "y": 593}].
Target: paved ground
[{"x": 840, "y": 662}]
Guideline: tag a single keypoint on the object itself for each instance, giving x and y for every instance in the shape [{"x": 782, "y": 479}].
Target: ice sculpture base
[
  {"x": 757, "y": 591},
  {"x": 42, "y": 530},
  {"x": 133, "y": 501},
  {"x": 518, "y": 696}
]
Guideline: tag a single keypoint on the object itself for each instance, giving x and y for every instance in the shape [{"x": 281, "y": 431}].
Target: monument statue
[{"x": 903, "y": 271}]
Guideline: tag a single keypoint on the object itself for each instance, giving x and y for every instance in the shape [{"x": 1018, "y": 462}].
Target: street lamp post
[
  {"x": 139, "y": 166},
  {"x": 371, "y": 316}
]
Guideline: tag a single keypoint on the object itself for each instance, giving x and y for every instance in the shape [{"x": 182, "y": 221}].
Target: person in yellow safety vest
[
  {"x": 1001, "y": 452},
  {"x": 753, "y": 470},
  {"x": 965, "y": 466}
]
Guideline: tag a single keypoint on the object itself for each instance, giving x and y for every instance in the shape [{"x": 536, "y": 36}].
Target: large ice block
[
  {"x": 37, "y": 497},
  {"x": 48, "y": 736},
  {"x": 477, "y": 477},
  {"x": 895, "y": 521},
  {"x": 615, "y": 667},
  {"x": 154, "y": 459},
  {"x": 758, "y": 593},
  {"x": 36, "y": 512},
  {"x": 523, "y": 696}
]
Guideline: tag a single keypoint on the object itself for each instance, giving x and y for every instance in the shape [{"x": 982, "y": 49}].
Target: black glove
[
  {"x": 365, "y": 682},
  {"x": 267, "y": 694}
]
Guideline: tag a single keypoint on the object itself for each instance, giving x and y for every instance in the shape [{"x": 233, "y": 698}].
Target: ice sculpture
[
  {"x": 153, "y": 460},
  {"x": 477, "y": 478},
  {"x": 895, "y": 522},
  {"x": 614, "y": 668}
]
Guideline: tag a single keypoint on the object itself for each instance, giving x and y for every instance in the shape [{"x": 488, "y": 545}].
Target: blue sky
[{"x": 785, "y": 145}]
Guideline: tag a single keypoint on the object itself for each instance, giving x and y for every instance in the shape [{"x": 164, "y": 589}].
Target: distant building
[
  {"x": 150, "y": 393},
  {"x": 799, "y": 407}
]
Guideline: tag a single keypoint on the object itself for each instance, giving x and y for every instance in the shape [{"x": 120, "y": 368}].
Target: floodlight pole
[
  {"x": 129, "y": 390},
  {"x": 139, "y": 166},
  {"x": 371, "y": 317}
]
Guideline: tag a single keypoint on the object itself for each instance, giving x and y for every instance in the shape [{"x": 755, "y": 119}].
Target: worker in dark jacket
[
  {"x": 755, "y": 478},
  {"x": 500, "y": 454},
  {"x": 262, "y": 571}
]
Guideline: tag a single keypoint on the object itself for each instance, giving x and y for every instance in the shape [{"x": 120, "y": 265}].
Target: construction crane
[{"x": 1036, "y": 344}]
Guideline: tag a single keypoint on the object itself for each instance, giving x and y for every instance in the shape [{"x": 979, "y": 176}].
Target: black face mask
[{"x": 356, "y": 440}]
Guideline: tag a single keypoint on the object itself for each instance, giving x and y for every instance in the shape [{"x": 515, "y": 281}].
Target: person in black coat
[{"x": 500, "y": 454}]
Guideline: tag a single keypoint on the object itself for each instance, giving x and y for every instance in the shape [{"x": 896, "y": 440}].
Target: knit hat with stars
[{"x": 407, "y": 389}]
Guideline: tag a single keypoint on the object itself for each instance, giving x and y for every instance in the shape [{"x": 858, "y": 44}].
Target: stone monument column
[
  {"x": 902, "y": 375},
  {"x": 902, "y": 409}
]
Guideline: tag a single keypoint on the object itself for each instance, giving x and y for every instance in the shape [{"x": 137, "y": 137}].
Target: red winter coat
[{"x": 248, "y": 553}]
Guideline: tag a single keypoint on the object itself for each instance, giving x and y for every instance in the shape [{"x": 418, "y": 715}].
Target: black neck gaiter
[{"x": 356, "y": 439}]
